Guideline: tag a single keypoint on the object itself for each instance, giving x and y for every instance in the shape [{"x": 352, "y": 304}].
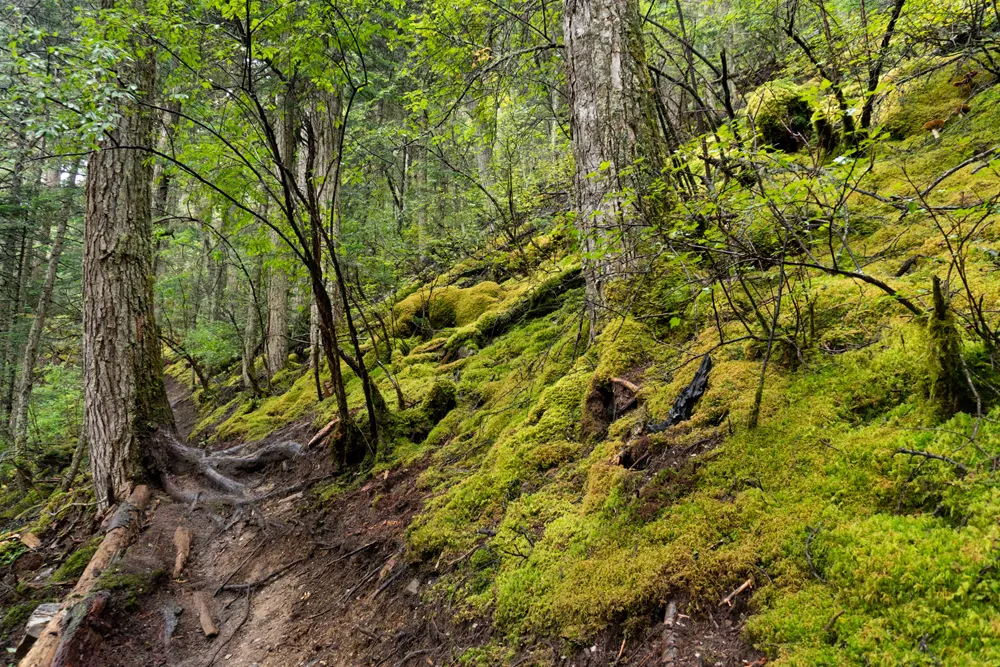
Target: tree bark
[
  {"x": 124, "y": 396},
  {"x": 613, "y": 123},
  {"x": 277, "y": 315},
  {"x": 252, "y": 334}
]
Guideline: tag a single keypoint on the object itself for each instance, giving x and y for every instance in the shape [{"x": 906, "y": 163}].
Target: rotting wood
[
  {"x": 687, "y": 399},
  {"x": 204, "y": 603},
  {"x": 323, "y": 432},
  {"x": 182, "y": 540},
  {"x": 59, "y": 638}
]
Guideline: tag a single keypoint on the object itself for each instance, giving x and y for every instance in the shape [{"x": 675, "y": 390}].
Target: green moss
[
  {"x": 128, "y": 586},
  {"x": 17, "y": 615},
  {"x": 432, "y": 309},
  {"x": 917, "y": 98},
  {"x": 73, "y": 567}
]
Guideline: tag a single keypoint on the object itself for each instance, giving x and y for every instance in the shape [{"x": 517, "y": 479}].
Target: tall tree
[
  {"x": 124, "y": 396},
  {"x": 617, "y": 143}
]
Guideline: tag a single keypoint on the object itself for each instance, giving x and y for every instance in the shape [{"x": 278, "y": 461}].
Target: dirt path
[
  {"x": 185, "y": 411},
  {"x": 324, "y": 583},
  {"x": 308, "y": 566}
]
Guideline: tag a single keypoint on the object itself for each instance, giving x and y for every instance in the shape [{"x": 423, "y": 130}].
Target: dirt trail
[{"x": 313, "y": 584}]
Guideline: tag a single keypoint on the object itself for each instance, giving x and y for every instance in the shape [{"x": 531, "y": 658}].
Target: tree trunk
[
  {"x": 613, "y": 122},
  {"x": 277, "y": 315},
  {"x": 252, "y": 334},
  {"x": 25, "y": 382},
  {"x": 124, "y": 396}
]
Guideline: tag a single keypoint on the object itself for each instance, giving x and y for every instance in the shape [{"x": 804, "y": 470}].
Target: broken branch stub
[{"x": 687, "y": 399}]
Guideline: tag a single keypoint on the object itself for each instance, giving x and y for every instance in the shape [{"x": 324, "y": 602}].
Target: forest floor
[{"x": 298, "y": 581}]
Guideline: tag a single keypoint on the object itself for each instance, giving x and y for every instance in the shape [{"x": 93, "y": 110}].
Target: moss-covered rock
[
  {"x": 431, "y": 309},
  {"x": 782, "y": 115},
  {"x": 916, "y": 99}
]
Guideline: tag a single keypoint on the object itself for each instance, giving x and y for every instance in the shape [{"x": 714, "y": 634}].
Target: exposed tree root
[{"x": 173, "y": 459}]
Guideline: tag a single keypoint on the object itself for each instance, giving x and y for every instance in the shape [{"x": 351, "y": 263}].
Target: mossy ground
[{"x": 542, "y": 529}]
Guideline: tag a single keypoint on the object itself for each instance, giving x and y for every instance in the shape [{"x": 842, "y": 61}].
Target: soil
[{"x": 327, "y": 583}]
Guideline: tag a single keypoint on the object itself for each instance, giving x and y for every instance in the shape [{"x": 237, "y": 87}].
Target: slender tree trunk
[
  {"x": 161, "y": 176},
  {"x": 277, "y": 289},
  {"x": 613, "y": 121},
  {"x": 124, "y": 396},
  {"x": 74, "y": 466},
  {"x": 277, "y": 315},
  {"x": 25, "y": 382},
  {"x": 252, "y": 335}
]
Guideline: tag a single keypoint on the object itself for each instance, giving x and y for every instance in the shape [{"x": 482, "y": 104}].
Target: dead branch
[
  {"x": 323, "y": 432},
  {"x": 961, "y": 467},
  {"x": 246, "y": 615},
  {"x": 204, "y": 603},
  {"x": 263, "y": 581},
  {"x": 622, "y": 382}
]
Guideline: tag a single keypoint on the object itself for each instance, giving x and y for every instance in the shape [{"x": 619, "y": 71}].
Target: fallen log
[
  {"x": 182, "y": 540},
  {"x": 60, "y": 642},
  {"x": 204, "y": 603}
]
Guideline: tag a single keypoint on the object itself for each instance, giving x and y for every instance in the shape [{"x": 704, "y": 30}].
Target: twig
[
  {"x": 263, "y": 581},
  {"x": 388, "y": 581},
  {"x": 347, "y": 555},
  {"x": 729, "y": 598},
  {"x": 412, "y": 654},
  {"x": 240, "y": 567},
  {"x": 961, "y": 467}
]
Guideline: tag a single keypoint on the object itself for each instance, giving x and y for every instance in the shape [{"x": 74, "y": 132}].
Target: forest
[{"x": 500, "y": 333}]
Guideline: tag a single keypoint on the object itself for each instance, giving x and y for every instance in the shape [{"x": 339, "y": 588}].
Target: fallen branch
[
  {"x": 182, "y": 540},
  {"x": 325, "y": 431},
  {"x": 204, "y": 603},
  {"x": 622, "y": 382},
  {"x": 349, "y": 554},
  {"x": 246, "y": 615},
  {"x": 728, "y": 600},
  {"x": 58, "y": 640},
  {"x": 240, "y": 566},
  {"x": 961, "y": 467},
  {"x": 263, "y": 581},
  {"x": 812, "y": 566}
]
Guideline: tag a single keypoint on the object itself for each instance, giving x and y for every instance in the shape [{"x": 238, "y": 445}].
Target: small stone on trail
[{"x": 413, "y": 587}]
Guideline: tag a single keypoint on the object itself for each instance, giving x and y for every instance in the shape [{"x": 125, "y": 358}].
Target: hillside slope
[{"x": 534, "y": 504}]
